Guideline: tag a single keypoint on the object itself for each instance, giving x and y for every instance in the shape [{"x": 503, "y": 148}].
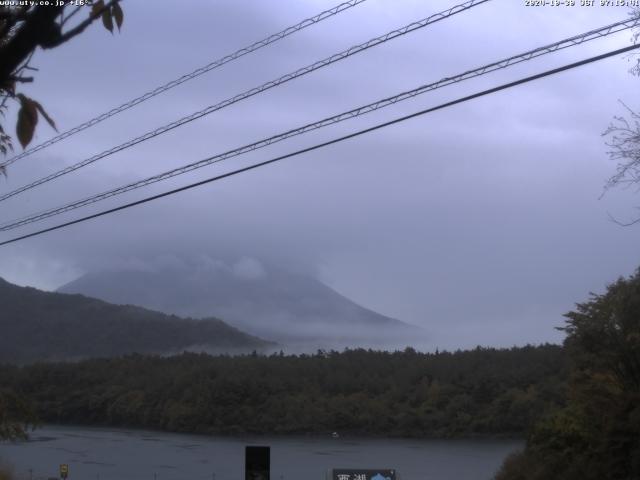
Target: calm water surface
[{"x": 110, "y": 454}]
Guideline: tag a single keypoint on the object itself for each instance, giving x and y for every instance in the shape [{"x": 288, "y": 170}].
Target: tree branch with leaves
[
  {"x": 24, "y": 29},
  {"x": 623, "y": 139}
]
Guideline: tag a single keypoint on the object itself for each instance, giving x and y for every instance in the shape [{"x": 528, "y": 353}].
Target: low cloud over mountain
[{"x": 291, "y": 308}]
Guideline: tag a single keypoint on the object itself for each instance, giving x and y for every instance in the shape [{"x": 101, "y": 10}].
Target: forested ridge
[
  {"x": 37, "y": 325},
  {"x": 477, "y": 392}
]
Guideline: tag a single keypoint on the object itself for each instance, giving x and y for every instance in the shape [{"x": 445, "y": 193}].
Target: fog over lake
[{"x": 110, "y": 454}]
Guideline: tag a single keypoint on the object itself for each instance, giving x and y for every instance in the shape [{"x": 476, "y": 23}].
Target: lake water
[{"x": 110, "y": 454}]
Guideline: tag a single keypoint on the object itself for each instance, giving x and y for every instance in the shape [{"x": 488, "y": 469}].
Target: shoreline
[{"x": 351, "y": 436}]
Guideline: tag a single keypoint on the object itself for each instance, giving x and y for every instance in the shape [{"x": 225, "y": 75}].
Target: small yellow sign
[{"x": 64, "y": 470}]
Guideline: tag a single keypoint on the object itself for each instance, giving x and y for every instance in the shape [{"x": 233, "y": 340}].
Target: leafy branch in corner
[{"x": 24, "y": 29}]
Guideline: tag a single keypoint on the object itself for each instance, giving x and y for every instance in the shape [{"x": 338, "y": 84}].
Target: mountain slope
[
  {"x": 37, "y": 325},
  {"x": 273, "y": 304}
]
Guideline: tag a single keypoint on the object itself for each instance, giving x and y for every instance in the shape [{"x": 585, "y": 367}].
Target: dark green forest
[
  {"x": 477, "y": 392},
  {"x": 596, "y": 434}
]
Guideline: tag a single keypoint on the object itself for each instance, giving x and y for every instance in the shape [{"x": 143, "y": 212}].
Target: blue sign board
[{"x": 357, "y": 474}]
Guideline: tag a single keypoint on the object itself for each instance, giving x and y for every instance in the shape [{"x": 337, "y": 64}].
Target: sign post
[{"x": 257, "y": 463}]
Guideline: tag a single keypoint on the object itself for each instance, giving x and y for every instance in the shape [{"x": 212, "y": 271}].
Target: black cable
[
  {"x": 330, "y": 142},
  {"x": 362, "y": 110},
  {"x": 189, "y": 76},
  {"x": 412, "y": 27}
]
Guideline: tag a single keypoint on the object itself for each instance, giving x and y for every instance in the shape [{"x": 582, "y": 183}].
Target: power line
[
  {"x": 528, "y": 55},
  {"x": 254, "y": 91},
  {"x": 330, "y": 142},
  {"x": 189, "y": 76}
]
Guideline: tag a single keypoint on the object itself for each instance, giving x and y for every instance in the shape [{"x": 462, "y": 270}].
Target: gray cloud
[{"x": 481, "y": 222}]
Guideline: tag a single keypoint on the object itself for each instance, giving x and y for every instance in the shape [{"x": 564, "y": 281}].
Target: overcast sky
[{"x": 481, "y": 222}]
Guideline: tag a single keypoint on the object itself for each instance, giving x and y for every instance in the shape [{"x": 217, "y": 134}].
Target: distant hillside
[
  {"x": 37, "y": 325},
  {"x": 273, "y": 304}
]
